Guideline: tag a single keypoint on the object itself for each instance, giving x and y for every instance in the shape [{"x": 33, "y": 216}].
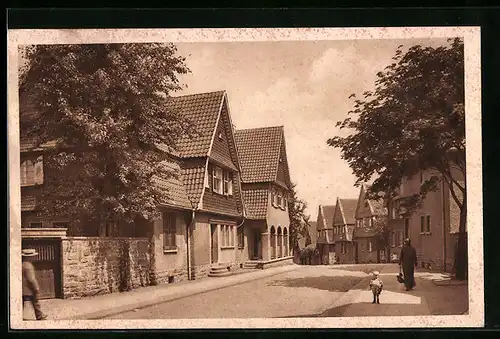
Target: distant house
[
  {"x": 370, "y": 214},
  {"x": 266, "y": 187},
  {"x": 325, "y": 241},
  {"x": 343, "y": 230},
  {"x": 432, "y": 228}
]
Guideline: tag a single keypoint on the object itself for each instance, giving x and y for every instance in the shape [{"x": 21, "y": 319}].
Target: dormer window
[
  {"x": 220, "y": 136},
  {"x": 222, "y": 181},
  {"x": 281, "y": 159}
]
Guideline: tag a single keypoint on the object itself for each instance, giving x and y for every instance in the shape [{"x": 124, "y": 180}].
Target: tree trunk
[{"x": 461, "y": 248}]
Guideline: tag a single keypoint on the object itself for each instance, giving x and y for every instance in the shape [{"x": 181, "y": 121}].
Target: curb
[{"x": 169, "y": 298}]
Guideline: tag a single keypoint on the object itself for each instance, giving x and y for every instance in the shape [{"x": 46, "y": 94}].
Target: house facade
[
  {"x": 325, "y": 235},
  {"x": 266, "y": 186},
  {"x": 343, "y": 231},
  {"x": 369, "y": 217},
  {"x": 432, "y": 228},
  {"x": 203, "y": 227}
]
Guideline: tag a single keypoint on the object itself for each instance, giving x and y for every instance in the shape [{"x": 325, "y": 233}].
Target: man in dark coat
[
  {"x": 408, "y": 259},
  {"x": 30, "y": 284}
]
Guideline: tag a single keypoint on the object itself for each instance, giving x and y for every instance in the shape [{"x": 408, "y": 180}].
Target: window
[
  {"x": 370, "y": 246},
  {"x": 227, "y": 236},
  {"x": 217, "y": 174},
  {"x": 343, "y": 248},
  {"x": 241, "y": 237},
  {"x": 60, "y": 224},
  {"x": 228, "y": 183},
  {"x": 279, "y": 200},
  {"x": 169, "y": 231},
  {"x": 422, "y": 177},
  {"x": 428, "y": 224},
  {"x": 36, "y": 224},
  {"x": 393, "y": 239},
  {"x": 422, "y": 224},
  {"x": 32, "y": 172},
  {"x": 366, "y": 222}
]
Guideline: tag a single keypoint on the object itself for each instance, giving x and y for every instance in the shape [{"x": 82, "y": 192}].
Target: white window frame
[
  {"x": 370, "y": 245},
  {"x": 217, "y": 180},
  {"x": 168, "y": 227},
  {"x": 227, "y": 183},
  {"x": 393, "y": 239},
  {"x": 31, "y": 172}
]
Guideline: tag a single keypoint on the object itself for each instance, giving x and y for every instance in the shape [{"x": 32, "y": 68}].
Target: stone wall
[{"x": 93, "y": 266}]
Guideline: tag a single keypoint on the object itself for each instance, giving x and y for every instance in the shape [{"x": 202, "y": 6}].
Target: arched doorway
[
  {"x": 273, "y": 242},
  {"x": 280, "y": 242}
]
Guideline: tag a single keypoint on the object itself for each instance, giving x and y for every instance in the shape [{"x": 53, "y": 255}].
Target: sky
[{"x": 303, "y": 86}]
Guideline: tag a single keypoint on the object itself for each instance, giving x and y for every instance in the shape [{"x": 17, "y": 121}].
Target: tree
[
  {"x": 414, "y": 120},
  {"x": 105, "y": 108},
  {"x": 299, "y": 220}
]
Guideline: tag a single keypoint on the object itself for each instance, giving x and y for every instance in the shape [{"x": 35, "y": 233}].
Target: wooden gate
[{"x": 47, "y": 266}]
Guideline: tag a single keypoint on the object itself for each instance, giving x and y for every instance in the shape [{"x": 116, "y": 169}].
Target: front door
[
  {"x": 214, "y": 247},
  {"x": 407, "y": 228},
  {"x": 256, "y": 244}
]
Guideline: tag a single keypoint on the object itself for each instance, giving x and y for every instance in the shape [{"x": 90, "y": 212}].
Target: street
[{"x": 313, "y": 291}]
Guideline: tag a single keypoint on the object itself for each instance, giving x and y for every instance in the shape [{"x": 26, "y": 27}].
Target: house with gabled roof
[
  {"x": 266, "y": 186},
  {"x": 343, "y": 230},
  {"x": 325, "y": 242},
  {"x": 198, "y": 229},
  {"x": 369, "y": 215},
  {"x": 210, "y": 178}
]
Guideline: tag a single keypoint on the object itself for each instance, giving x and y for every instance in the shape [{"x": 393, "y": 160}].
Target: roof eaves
[
  {"x": 232, "y": 130},
  {"x": 215, "y": 127}
]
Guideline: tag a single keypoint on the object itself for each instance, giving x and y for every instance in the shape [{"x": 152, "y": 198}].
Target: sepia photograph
[{"x": 235, "y": 178}]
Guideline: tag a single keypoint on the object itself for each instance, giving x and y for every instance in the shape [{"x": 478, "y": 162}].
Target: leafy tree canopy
[
  {"x": 299, "y": 220},
  {"x": 106, "y": 107},
  {"x": 414, "y": 120}
]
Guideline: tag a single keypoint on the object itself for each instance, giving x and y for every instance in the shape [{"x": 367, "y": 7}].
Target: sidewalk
[
  {"x": 98, "y": 307},
  {"x": 428, "y": 298}
]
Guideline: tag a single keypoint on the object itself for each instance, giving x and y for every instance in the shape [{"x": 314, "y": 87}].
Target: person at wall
[
  {"x": 408, "y": 261},
  {"x": 30, "y": 284}
]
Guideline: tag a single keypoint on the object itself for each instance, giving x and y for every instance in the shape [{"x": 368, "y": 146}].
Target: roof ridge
[
  {"x": 257, "y": 128},
  {"x": 194, "y": 94}
]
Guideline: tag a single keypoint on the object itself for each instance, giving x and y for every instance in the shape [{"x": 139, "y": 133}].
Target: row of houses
[
  {"x": 349, "y": 231},
  {"x": 227, "y": 209}
]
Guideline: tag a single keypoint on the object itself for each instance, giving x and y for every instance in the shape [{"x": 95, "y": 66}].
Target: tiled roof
[
  {"x": 203, "y": 110},
  {"x": 28, "y": 203},
  {"x": 313, "y": 231},
  {"x": 26, "y": 145},
  {"x": 174, "y": 186},
  {"x": 259, "y": 151},
  {"x": 378, "y": 206},
  {"x": 256, "y": 203},
  {"x": 348, "y": 209},
  {"x": 328, "y": 213},
  {"x": 194, "y": 179}
]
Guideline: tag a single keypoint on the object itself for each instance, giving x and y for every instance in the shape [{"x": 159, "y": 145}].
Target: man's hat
[
  {"x": 376, "y": 273},
  {"x": 29, "y": 252}
]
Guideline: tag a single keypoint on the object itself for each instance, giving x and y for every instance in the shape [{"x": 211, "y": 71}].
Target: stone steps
[{"x": 220, "y": 271}]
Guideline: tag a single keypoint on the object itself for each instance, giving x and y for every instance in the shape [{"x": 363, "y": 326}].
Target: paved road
[
  {"x": 313, "y": 291},
  {"x": 304, "y": 291}
]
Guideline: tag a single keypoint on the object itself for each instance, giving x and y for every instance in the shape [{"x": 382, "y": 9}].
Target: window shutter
[
  {"x": 23, "y": 173},
  {"x": 422, "y": 224},
  {"x": 39, "y": 170},
  {"x": 214, "y": 177},
  {"x": 230, "y": 184},
  {"x": 428, "y": 223}
]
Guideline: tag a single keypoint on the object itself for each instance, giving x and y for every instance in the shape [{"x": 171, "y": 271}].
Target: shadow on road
[{"x": 326, "y": 283}]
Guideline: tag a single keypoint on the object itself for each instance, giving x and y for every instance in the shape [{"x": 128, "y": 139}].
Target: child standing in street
[{"x": 376, "y": 286}]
